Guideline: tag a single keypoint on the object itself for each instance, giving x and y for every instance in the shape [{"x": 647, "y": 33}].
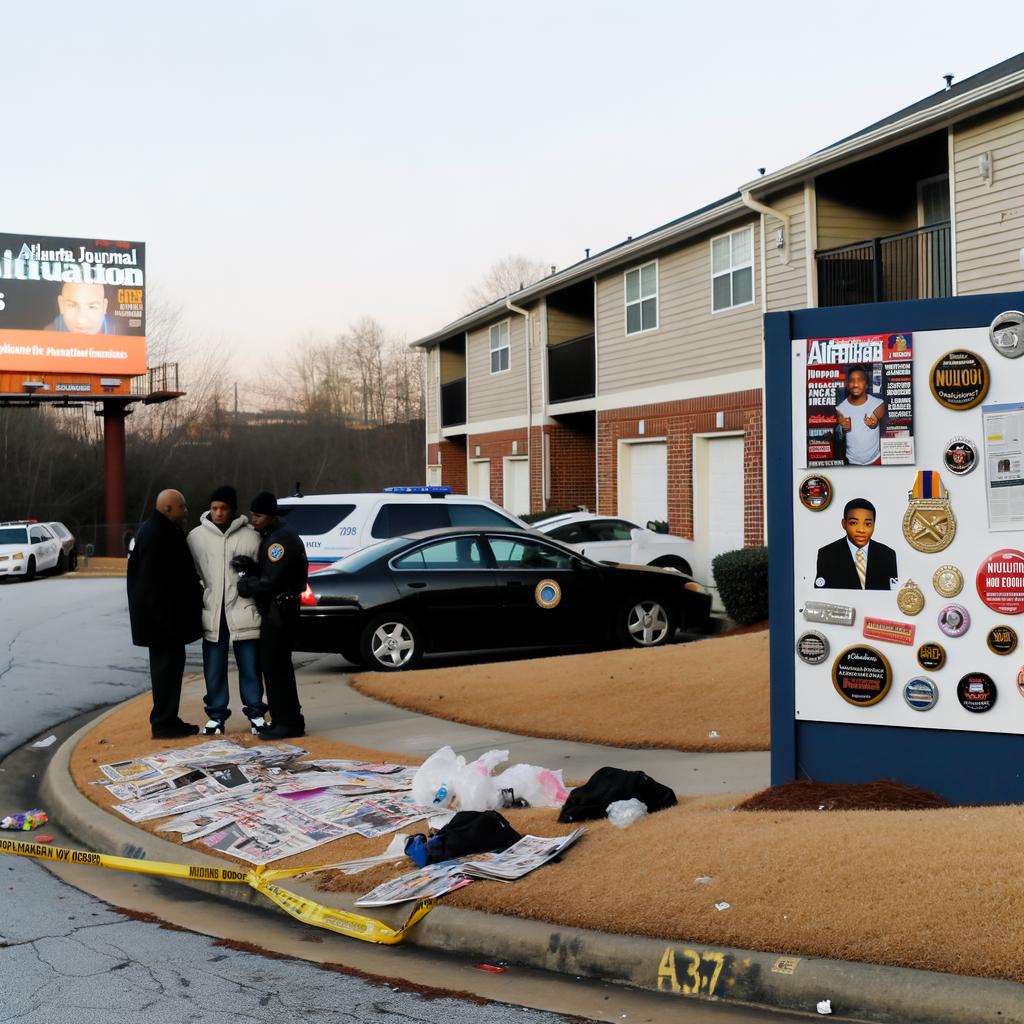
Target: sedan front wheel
[
  {"x": 391, "y": 643},
  {"x": 644, "y": 623}
]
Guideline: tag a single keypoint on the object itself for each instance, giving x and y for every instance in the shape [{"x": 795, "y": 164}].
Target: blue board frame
[{"x": 963, "y": 767}]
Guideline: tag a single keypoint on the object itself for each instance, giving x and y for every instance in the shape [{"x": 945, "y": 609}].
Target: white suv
[
  {"x": 334, "y": 525},
  {"x": 27, "y": 547},
  {"x": 608, "y": 538}
]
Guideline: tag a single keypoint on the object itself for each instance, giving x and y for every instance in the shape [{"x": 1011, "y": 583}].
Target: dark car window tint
[
  {"x": 368, "y": 555},
  {"x": 568, "y": 534},
  {"x": 314, "y": 520},
  {"x": 396, "y": 520},
  {"x": 58, "y": 529},
  {"x": 13, "y": 535},
  {"x": 45, "y": 533},
  {"x": 477, "y": 515},
  {"x": 35, "y": 535},
  {"x": 611, "y": 529},
  {"x": 457, "y": 553},
  {"x": 528, "y": 554}
]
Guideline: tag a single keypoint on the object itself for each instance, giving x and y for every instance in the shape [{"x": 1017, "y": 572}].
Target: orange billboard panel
[{"x": 42, "y": 351}]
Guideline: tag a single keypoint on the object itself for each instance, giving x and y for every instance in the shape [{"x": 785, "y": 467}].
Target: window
[
  {"x": 398, "y": 519},
  {"x": 609, "y": 529},
  {"x": 499, "y": 347},
  {"x": 528, "y": 554},
  {"x": 479, "y": 515},
  {"x": 732, "y": 270},
  {"x": 363, "y": 557},
  {"x": 642, "y": 298},
  {"x": 14, "y": 535},
  {"x": 457, "y": 553},
  {"x": 315, "y": 520},
  {"x": 569, "y": 534},
  {"x": 933, "y": 201}
]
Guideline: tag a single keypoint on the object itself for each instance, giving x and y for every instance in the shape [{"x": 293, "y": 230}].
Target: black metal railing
[
  {"x": 912, "y": 265},
  {"x": 571, "y": 370},
  {"x": 453, "y": 403},
  {"x": 162, "y": 379}
]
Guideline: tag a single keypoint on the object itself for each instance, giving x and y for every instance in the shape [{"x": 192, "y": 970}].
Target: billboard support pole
[{"x": 113, "y": 466}]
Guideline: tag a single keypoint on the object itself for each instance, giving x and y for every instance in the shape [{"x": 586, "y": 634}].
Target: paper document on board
[{"x": 1003, "y": 426}]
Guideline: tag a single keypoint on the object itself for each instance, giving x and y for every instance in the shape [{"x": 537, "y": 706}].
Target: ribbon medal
[{"x": 929, "y": 524}]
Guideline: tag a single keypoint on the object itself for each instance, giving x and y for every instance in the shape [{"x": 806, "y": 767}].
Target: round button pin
[
  {"x": 948, "y": 580},
  {"x": 812, "y": 647},
  {"x": 1001, "y": 640},
  {"x": 954, "y": 620},
  {"x": 931, "y": 657},
  {"x": 976, "y": 692},
  {"x": 921, "y": 693}
]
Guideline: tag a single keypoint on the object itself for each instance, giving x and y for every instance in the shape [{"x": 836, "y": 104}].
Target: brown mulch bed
[
  {"x": 668, "y": 698},
  {"x": 809, "y": 795}
]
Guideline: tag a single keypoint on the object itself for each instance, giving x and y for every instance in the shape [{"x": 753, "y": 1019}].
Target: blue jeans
[{"x": 215, "y": 668}]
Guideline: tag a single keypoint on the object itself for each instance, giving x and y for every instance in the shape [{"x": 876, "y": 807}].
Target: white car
[
  {"x": 611, "y": 539},
  {"x": 27, "y": 548},
  {"x": 68, "y": 546},
  {"x": 335, "y": 525}
]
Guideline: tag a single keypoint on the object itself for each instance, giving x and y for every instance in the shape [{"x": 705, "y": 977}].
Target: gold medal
[
  {"x": 929, "y": 524},
  {"x": 948, "y": 580},
  {"x": 910, "y": 600}
]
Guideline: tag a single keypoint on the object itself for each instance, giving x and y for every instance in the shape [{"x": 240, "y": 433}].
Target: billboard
[{"x": 72, "y": 305}]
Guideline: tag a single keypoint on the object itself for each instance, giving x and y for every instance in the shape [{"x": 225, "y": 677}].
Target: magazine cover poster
[{"x": 860, "y": 406}]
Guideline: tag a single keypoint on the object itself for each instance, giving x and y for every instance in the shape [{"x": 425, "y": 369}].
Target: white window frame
[
  {"x": 490, "y": 351},
  {"x": 642, "y": 299},
  {"x": 732, "y": 269}
]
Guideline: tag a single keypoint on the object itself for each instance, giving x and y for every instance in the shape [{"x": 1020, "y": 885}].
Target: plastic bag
[
  {"x": 625, "y": 812},
  {"x": 432, "y": 785},
  {"x": 445, "y": 779},
  {"x": 539, "y": 787}
]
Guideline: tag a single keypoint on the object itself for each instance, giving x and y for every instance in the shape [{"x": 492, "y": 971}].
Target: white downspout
[
  {"x": 529, "y": 396},
  {"x": 753, "y": 204}
]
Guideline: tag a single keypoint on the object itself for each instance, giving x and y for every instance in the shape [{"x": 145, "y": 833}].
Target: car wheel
[
  {"x": 73, "y": 560},
  {"x": 645, "y": 623},
  {"x": 30, "y": 569},
  {"x": 391, "y": 643},
  {"x": 673, "y": 562}
]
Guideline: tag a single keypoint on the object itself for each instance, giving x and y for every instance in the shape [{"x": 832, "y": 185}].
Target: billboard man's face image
[
  {"x": 859, "y": 525},
  {"x": 83, "y": 307},
  {"x": 857, "y": 384}
]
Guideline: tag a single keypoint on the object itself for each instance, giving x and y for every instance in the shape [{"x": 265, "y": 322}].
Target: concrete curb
[{"x": 739, "y": 976}]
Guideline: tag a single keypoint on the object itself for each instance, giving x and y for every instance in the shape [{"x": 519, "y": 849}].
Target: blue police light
[{"x": 419, "y": 490}]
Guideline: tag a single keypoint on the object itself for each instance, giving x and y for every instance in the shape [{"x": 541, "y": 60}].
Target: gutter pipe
[
  {"x": 529, "y": 395},
  {"x": 783, "y": 245}
]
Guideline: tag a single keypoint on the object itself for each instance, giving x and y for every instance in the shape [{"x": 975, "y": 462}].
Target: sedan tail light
[{"x": 308, "y": 597}]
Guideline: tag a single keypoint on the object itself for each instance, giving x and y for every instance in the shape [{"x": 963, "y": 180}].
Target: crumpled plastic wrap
[
  {"x": 624, "y": 813},
  {"x": 23, "y": 822}
]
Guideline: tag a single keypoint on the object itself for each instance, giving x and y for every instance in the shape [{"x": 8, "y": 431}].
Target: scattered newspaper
[
  {"x": 519, "y": 859},
  {"x": 425, "y": 883}
]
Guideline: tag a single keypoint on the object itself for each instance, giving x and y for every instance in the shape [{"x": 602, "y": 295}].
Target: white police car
[
  {"x": 27, "y": 547},
  {"x": 334, "y": 525},
  {"x": 611, "y": 539}
]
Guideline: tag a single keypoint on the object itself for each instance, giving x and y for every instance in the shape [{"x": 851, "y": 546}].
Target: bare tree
[{"x": 506, "y": 276}]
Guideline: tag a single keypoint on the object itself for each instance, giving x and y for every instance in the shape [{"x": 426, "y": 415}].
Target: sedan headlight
[
  {"x": 20, "y": 554},
  {"x": 695, "y": 587}
]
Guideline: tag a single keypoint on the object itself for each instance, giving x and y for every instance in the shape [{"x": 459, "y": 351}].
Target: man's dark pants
[
  {"x": 166, "y": 667},
  {"x": 279, "y": 675}
]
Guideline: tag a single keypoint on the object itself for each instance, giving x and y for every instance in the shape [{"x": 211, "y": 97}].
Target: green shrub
[
  {"x": 536, "y": 517},
  {"x": 742, "y": 581}
]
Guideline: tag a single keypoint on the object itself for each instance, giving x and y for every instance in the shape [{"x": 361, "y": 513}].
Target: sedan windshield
[
  {"x": 13, "y": 535},
  {"x": 365, "y": 556}
]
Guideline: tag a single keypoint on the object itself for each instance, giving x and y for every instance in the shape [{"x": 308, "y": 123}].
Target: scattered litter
[
  {"x": 43, "y": 838},
  {"x": 825, "y": 1006},
  {"x": 488, "y": 967},
  {"x": 704, "y": 879},
  {"x": 721, "y": 906},
  {"x": 713, "y": 734},
  {"x": 821, "y": 807},
  {"x": 46, "y": 742},
  {"x": 23, "y": 822},
  {"x": 104, "y": 741},
  {"x": 624, "y": 813},
  {"x": 606, "y": 786}
]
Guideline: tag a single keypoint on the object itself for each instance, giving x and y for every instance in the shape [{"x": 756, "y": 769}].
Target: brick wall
[
  {"x": 498, "y": 446},
  {"x": 451, "y": 455},
  {"x": 573, "y": 467},
  {"x": 678, "y": 422}
]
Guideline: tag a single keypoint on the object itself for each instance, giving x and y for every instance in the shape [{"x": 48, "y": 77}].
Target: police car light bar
[{"x": 440, "y": 490}]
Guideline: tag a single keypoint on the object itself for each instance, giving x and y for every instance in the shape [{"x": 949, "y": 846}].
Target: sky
[{"x": 294, "y": 167}]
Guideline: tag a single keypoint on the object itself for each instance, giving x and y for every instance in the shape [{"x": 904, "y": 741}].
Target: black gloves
[
  {"x": 245, "y": 565},
  {"x": 247, "y": 585}
]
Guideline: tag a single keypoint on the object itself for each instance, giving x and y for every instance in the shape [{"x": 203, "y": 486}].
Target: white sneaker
[
  {"x": 213, "y": 728},
  {"x": 257, "y": 724}
]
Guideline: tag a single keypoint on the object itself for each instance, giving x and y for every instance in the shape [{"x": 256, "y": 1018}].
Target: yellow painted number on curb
[
  {"x": 718, "y": 959},
  {"x": 667, "y": 971}
]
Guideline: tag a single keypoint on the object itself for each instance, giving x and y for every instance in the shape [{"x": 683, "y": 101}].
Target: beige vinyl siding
[
  {"x": 494, "y": 396},
  {"x": 432, "y": 394},
  {"x": 690, "y": 341},
  {"x": 453, "y": 365},
  {"x": 839, "y": 224},
  {"x": 787, "y": 283},
  {"x": 989, "y": 219},
  {"x": 565, "y": 326}
]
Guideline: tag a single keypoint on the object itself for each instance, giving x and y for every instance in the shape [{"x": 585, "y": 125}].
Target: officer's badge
[
  {"x": 275, "y": 552},
  {"x": 929, "y": 523}
]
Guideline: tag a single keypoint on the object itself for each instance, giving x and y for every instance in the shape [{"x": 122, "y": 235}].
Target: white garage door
[
  {"x": 649, "y": 482},
  {"x": 516, "y": 496},
  {"x": 725, "y": 496},
  {"x": 480, "y": 479}
]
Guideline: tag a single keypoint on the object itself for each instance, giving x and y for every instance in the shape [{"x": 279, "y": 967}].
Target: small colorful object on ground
[
  {"x": 43, "y": 838},
  {"x": 891, "y": 632},
  {"x": 488, "y": 967},
  {"x": 26, "y": 822}
]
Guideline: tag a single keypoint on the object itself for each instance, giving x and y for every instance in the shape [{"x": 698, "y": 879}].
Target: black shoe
[
  {"x": 176, "y": 732},
  {"x": 279, "y": 732}
]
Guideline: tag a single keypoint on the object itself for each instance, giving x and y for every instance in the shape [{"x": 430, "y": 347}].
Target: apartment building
[{"x": 631, "y": 382}]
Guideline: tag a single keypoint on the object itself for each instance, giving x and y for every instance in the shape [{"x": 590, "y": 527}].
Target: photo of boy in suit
[{"x": 856, "y": 562}]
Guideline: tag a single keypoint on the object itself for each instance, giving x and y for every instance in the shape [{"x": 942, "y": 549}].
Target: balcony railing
[
  {"x": 453, "y": 403},
  {"x": 912, "y": 265},
  {"x": 571, "y": 370}
]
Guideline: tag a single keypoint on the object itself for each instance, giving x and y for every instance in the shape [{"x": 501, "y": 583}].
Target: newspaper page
[
  {"x": 424, "y": 883},
  {"x": 860, "y": 403},
  {"x": 519, "y": 859},
  {"x": 1003, "y": 426}
]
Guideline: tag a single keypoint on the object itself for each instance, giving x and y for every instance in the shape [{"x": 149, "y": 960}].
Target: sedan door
[
  {"x": 449, "y": 588},
  {"x": 608, "y": 540},
  {"x": 548, "y": 596},
  {"x": 47, "y": 547}
]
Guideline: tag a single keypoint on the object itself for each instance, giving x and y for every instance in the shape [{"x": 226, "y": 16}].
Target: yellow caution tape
[{"x": 261, "y": 879}]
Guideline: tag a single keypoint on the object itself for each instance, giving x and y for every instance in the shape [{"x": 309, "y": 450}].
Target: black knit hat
[
  {"x": 227, "y": 494},
  {"x": 264, "y": 503}
]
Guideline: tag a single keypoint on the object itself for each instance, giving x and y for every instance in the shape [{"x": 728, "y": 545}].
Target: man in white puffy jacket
[{"x": 227, "y": 616}]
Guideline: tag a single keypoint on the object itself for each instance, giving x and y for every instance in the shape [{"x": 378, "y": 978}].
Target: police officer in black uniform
[{"x": 276, "y": 581}]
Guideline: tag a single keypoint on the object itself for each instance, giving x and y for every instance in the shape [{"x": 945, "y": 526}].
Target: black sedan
[{"x": 472, "y": 589}]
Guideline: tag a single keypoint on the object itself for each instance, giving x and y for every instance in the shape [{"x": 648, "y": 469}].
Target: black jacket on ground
[
  {"x": 165, "y": 596},
  {"x": 283, "y": 567},
  {"x": 836, "y": 569}
]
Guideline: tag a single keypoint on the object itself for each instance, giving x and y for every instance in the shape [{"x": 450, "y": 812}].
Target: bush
[
  {"x": 742, "y": 581},
  {"x": 536, "y": 517}
]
